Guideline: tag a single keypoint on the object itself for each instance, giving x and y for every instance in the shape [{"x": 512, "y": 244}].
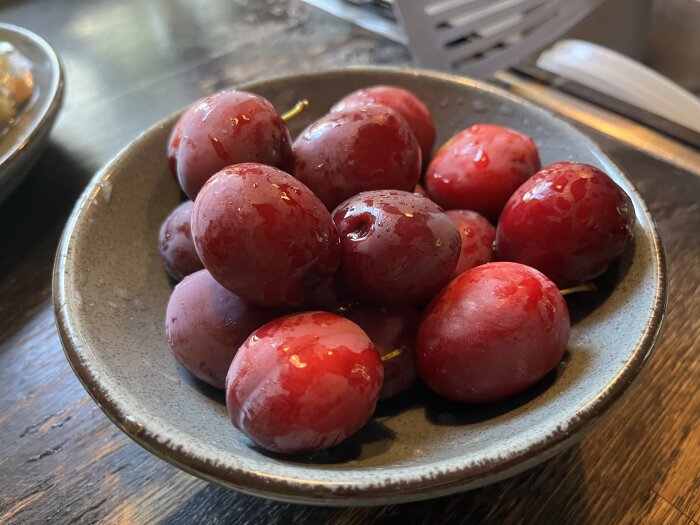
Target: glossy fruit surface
[
  {"x": 176, "y": 245},
  {"x": 263, "y": 235},
  {"x": 230, "y": 127},
  {"x": 477, "y": 236},
  {"x": 360, "y": 149},
  {"x": 479, "y": 169},
  {"x": 492, "y": 332},
  {"x": 205, "y": 324},
  {"x": 570, "y": 221},
  {"x": 175, "y": 137},
  {"x": 304, "y": 382},
  {"x": 398, "y": 248},
  {"x": 405, "y": 103},
  {"x": 393, "y": 332}
]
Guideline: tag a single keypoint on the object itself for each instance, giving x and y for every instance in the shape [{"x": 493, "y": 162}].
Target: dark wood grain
[{"x": 129, "y": 64}]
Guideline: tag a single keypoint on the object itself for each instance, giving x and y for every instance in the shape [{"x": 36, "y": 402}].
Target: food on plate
[
  {"x": 405, "y": 103},
  {"x": 477, "y": 235},
  {"x": 16, "y": 83},
  {"x": 304, "y": 382},
  {"x": 358, "y": 149},
  {"x": 491, "y": 333},
  {"x": 205, "y": 324},
  {"x": 480, "y": 167},
  {"x": 263, "y": 235},
  {"x": 570, "y": 221},
  {"x": 398, "y": 247},
  {"x": 176, "y": 245},
  {"x": 227, "y": 128},
  {"x": 393, "y": 332}
]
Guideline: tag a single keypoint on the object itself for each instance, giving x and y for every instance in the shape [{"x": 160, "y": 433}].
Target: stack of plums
[{"x": 322, "y": 275}]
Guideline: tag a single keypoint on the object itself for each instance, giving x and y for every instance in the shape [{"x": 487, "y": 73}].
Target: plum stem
[
  {"x": 396, "y": 352},
  {"x": 298, "y": 108},
  {"x": 587, "y": 287}
]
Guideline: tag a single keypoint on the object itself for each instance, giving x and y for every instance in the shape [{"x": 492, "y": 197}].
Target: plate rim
[
  {"x": 461, "y": 477},
  {"x": 45, "y": 118}
]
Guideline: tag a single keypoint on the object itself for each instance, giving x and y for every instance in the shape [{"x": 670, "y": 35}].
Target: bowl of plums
[{"x": 360, "y": 286}]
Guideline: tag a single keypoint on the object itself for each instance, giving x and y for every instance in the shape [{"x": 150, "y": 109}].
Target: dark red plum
[
  {"x": 477, "y": 236},
  {"x": 327, "y": 296},
  {"x": 393, "y": 332},
  {"x": 230, "y": 127},
  {"x": 492, "y": 332},
  {"x": 405, "y": 103},
  {"x": 205, "y": 324},
  {"x": 479, "y": 169},
  {"x": 570, "y": 221},
  {"x": 176, "y": 136},
  {"x": 304, "y": 382},
  {"x": 398, "y": 247},
  {"x": 176, "y": 245},
  {"x": 356, "y": 150},
  {"x": 264, "y": 235}
]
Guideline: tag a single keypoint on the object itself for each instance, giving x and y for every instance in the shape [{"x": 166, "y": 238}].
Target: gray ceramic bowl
[
  {"x": 110, "y": 293},
  {"x": 22, "y": 142}
]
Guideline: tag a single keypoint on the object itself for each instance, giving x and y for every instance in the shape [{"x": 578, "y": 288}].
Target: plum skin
[
  {"x": 405, "y": 103},
  {"x": 390, "y": 329},
  {"x": 477, "y": 235},
  {"x": 570, "y": 221},
  {"x": 479, "y": 169},
  {"x": 175, "y": 243},
  {"x": 176, "y": 136},
  {"x": 230, "y": 127},
  {"x": 360, "y": 149},
  {"x": 264, "y": 235},
  {"x": 398, "y": 247},
  {"x": 303, "y": 383},
  {"x": 205, "y": 324},
  {"x": 491, "y": 333}
]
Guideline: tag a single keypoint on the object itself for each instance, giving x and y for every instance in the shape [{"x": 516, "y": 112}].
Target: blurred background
[{"x": 659, "y": 33}]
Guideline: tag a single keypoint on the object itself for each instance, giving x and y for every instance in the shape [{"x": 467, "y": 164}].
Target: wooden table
[{"x": 128, "y": 64}]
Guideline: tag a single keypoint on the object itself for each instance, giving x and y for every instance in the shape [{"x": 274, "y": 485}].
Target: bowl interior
[{"x": 111, "y": 293}]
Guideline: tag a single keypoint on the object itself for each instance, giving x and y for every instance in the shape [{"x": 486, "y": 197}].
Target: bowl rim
[{"x": 461, "y": 475}]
